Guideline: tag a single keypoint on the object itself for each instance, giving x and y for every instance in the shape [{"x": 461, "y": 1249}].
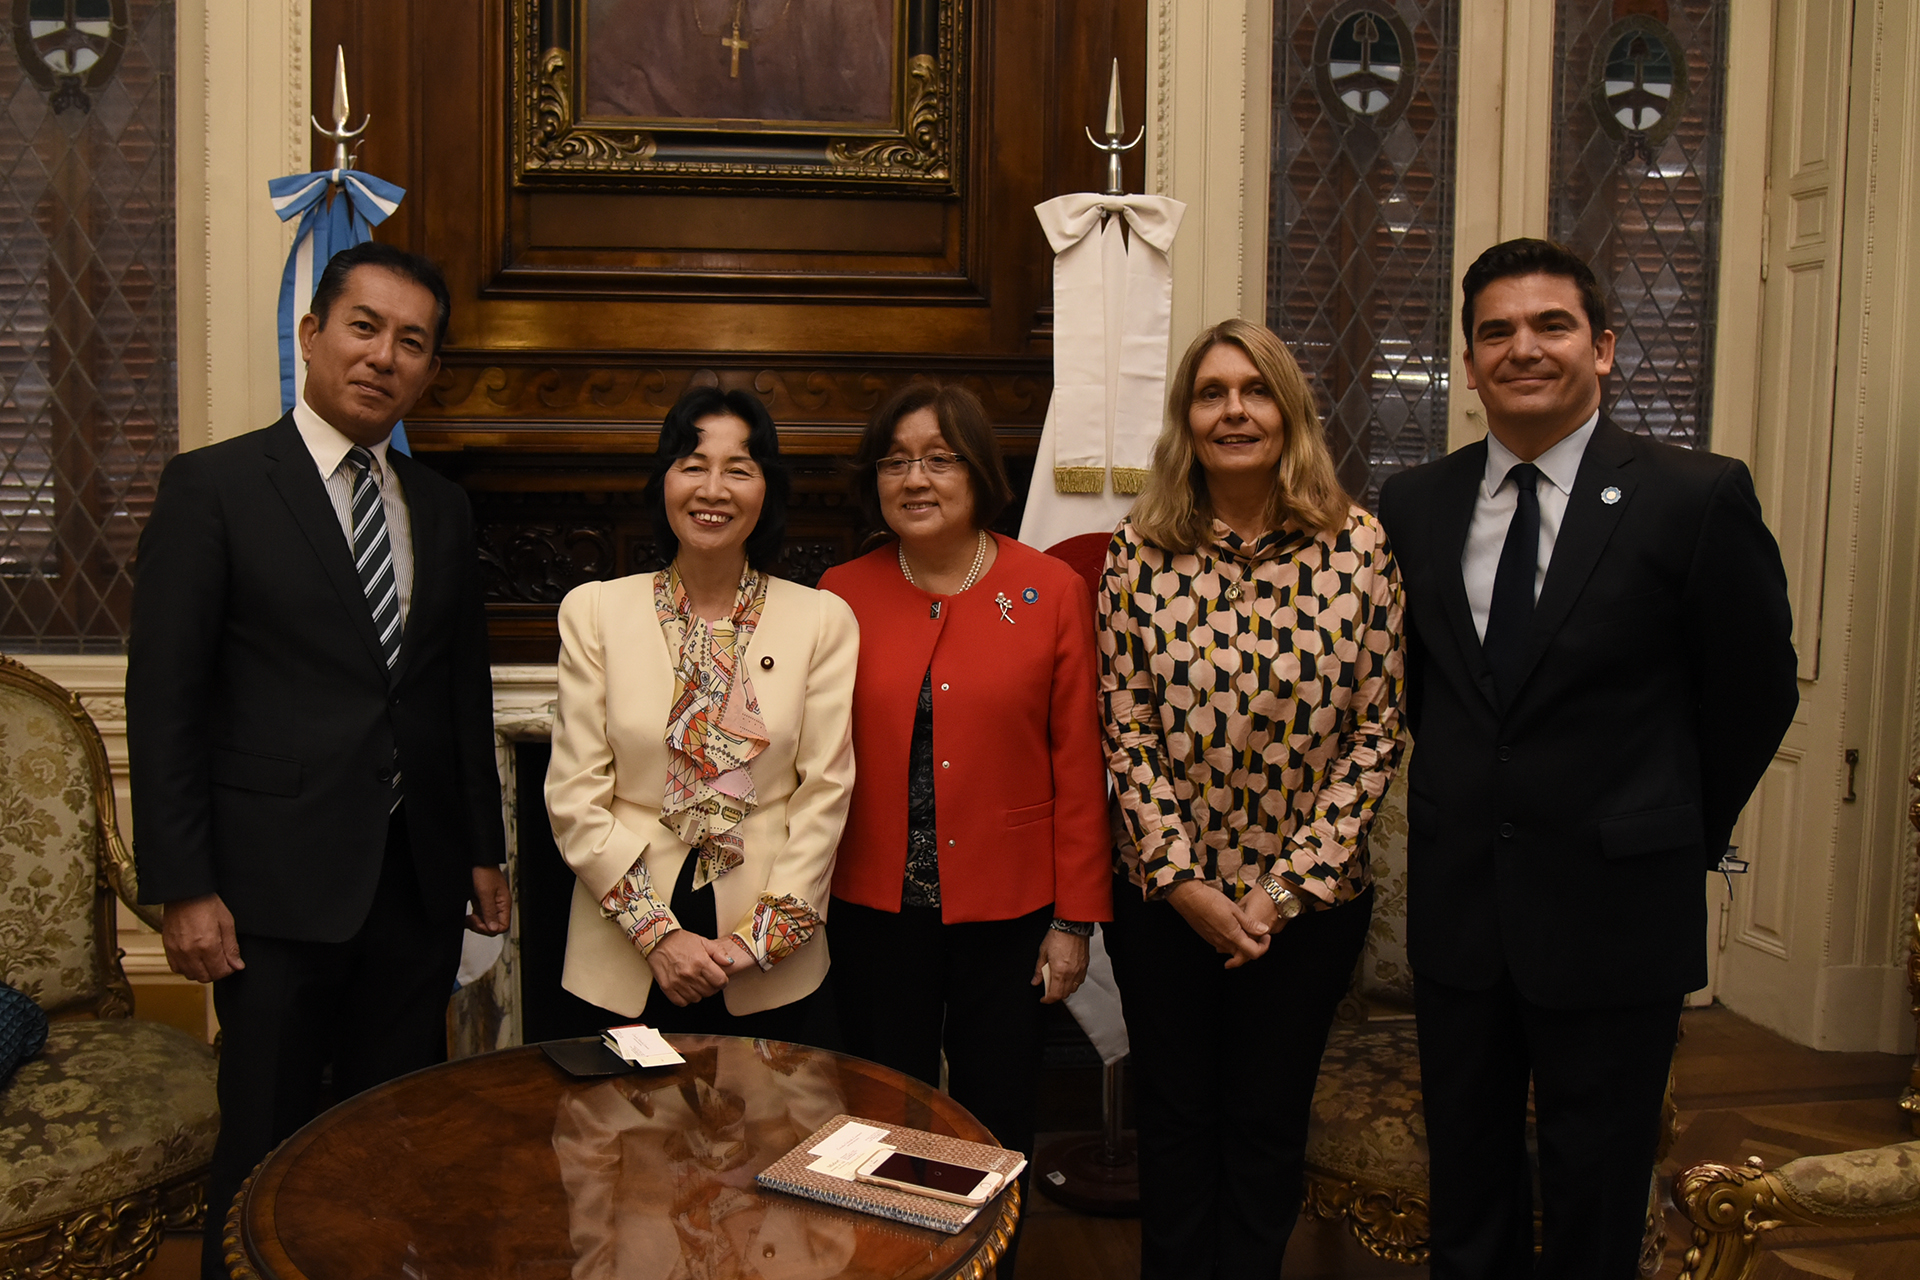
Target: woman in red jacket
[{"x": 976, "y": 856}]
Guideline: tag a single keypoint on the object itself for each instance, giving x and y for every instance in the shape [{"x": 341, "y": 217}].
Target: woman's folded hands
[
  {"x": 689, "y": 967},
  {"x": 1230, "y": 928}
]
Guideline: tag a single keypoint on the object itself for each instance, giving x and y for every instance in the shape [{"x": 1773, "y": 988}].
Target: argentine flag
[{"x": 337, "y": 208}]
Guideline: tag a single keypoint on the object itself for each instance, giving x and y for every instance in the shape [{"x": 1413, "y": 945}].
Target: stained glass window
[
  {"x": 1360, "y": 257},
  {"x": 88, "y": 406},
  {"x": 1638, "y": 99}
]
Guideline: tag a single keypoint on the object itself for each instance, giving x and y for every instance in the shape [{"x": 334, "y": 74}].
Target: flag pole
[{"x": 1098, "y": 1173}]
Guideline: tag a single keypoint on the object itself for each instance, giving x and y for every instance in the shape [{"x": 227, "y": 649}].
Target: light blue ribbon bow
[{"x": 326, "y": 227}]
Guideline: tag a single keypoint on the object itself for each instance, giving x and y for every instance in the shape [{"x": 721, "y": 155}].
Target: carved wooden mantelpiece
[
  {"x": 547, "y": 522},
  {"x": 479, "y": 394},
  {"x": 554, "y": 456}
]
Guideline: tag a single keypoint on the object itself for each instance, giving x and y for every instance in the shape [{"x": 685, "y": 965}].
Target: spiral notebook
[{"x": 791, "y": 1173}]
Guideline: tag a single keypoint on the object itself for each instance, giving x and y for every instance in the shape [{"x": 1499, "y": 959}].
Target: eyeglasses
[{"x": 934, "y": 464}]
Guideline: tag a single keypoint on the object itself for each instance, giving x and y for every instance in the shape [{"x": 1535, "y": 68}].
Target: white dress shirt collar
[
  {"x": 326, "y": 442},
  {"x": 1560, "y": 464}
]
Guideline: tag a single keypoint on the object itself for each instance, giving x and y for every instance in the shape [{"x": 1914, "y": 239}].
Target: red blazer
[{"x": 1019, "y": 769}]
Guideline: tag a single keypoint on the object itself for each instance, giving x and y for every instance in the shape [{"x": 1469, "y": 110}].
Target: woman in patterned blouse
[
  {"x": 1251, "y": 672},
  {"x": 702, "y": 753}
]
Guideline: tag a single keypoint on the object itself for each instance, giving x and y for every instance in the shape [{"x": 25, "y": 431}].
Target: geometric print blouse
[{"x": 1251, "y": 695}]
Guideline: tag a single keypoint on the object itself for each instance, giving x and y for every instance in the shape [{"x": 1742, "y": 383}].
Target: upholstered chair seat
[
  {"x": 110, "y": 1106},
  {"x": 1873, "y": 1181},
  {"x": 106, "y": 1134}
]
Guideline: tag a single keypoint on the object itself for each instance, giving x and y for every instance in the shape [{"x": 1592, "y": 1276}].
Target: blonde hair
[{"x": 1172, "y": 510}]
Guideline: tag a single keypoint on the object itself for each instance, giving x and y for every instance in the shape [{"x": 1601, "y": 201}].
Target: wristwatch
[{"x": 1284, "y": 899}]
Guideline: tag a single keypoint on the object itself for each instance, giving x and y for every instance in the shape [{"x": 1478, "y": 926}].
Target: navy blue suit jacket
[
  {"x": 1563, "y": 839},
  {"x": 262, "y": 721}
]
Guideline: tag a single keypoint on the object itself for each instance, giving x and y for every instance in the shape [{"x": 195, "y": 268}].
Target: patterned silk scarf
[{"x": 714, "y": 728}]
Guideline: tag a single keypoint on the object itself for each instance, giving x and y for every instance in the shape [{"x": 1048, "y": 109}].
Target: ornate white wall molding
[
  {"x": 1502, "y": 156},
  {"x": 1209, "y": 87},
  {"x": 242, "y": 119}
]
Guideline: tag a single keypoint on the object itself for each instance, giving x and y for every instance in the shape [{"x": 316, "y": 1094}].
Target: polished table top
[{"x": 505, "y": 1166}]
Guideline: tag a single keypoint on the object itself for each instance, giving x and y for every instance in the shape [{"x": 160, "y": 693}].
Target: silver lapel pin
[
  {"x": 1610, "y": 494},
  {"x": 1006, "y": 608}
]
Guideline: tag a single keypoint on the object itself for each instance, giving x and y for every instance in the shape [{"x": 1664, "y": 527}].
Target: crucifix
[{"x": 734, "y": 41}]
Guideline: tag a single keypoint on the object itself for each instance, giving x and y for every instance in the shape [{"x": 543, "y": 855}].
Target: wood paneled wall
[{"x": 580, "y": 315}]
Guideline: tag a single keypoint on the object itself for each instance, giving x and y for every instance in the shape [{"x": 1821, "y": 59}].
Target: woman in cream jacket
[{"x": 702, "y": 752}]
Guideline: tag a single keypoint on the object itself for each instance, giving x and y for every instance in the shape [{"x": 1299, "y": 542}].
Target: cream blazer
[{"x": 608, "y": 778}]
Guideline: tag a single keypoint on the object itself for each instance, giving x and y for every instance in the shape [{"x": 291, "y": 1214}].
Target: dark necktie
[
  {"x": 1510, "y": 619},
  {"x": 373, "y": 554}
]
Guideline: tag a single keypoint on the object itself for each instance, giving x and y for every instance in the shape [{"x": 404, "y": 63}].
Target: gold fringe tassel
[
  {"x": 1079, "y": 479},
  {"x": 1129, "y": 479}
]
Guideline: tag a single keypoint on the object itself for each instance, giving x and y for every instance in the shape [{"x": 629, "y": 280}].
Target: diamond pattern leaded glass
[
  {"x": 88, "y": 410},
  {"x": 1643, "y": 205},
  {"x": 1360, "y": 261}
]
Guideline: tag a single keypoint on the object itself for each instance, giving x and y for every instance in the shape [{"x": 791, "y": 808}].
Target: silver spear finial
[
  {"x": 340, "y": 112},
  {"x": 340, "y": 134},
  {"x": 1116, "y": 129}
]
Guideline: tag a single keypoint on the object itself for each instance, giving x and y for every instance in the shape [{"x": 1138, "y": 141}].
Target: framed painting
[{"x": 720, "y": 94}]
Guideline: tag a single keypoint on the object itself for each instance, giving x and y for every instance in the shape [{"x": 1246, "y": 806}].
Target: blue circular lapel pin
[
  {"x": 1030, "y": 595},
  {"x": 1610, "y": 494}
]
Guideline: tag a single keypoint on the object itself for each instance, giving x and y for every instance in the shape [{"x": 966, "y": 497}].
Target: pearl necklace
[{"x": 973, "y": 574}]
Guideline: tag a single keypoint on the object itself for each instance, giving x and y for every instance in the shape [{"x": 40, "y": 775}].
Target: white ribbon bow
[{"x": 1112, "y": 307}]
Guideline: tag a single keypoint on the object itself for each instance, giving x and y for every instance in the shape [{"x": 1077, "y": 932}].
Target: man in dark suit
[
  {"x": 1599, "y": 671},
  {"x": 310, "y": 722}
]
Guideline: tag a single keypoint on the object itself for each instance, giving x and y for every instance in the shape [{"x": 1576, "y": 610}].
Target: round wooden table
[{"x": 505, "y": 1167}]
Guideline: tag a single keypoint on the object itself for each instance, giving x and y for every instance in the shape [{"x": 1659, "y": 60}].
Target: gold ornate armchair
[
  {"x": 106, "y": 1135},
  {"x": 1367, "y": 1144},
  {"x": 1731, "y": 1207}
]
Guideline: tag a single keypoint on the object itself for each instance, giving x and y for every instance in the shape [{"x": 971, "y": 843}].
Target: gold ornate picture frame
[{"x": 643, "y": 94}]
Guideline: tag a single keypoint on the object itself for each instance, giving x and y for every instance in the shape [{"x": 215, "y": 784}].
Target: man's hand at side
[
  {"x": 492, "y": 903},
  {"x": 200, "y": 939}
]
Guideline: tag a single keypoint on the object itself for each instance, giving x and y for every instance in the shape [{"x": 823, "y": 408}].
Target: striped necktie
[{"x": 373, "y": 553}]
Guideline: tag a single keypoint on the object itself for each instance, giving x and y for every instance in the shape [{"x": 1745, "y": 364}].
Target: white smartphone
[{"x": 960, "y": 1183}]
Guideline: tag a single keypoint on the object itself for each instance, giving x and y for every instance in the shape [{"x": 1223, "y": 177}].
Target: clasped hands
[
  {"x": 1240, "y": 931},
  {"x": 203, "y": 945},
  {"x": 689, "y": 967}
]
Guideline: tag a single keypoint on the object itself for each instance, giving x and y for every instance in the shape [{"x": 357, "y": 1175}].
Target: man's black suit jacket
[
  {"x": 262, "y": 721},
  {"x": 1564, "y": 840}
]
